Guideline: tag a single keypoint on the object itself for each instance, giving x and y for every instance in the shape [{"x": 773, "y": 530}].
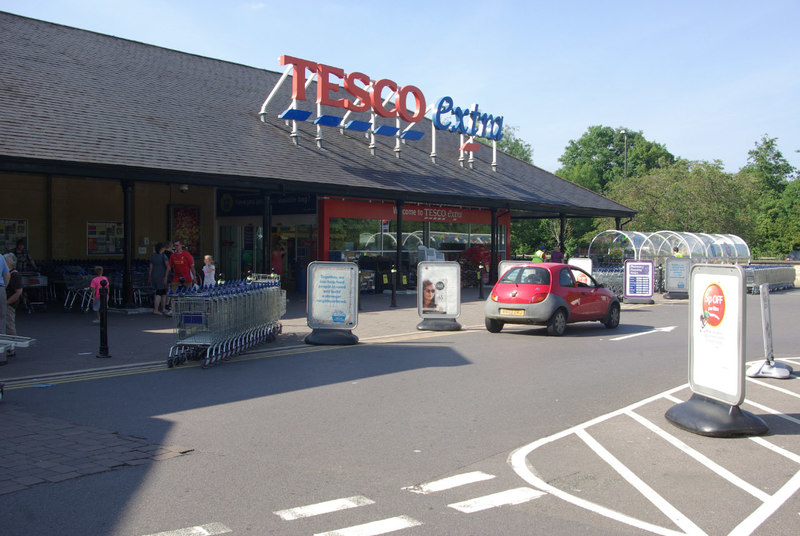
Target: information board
[
  {"x": 332, "y": 290},
  {"x": 638, "y": 279},
  {"x": 676, "y": 278},
  {"x": 717, "y": 332},
  {"x": 439, "y": 289}
]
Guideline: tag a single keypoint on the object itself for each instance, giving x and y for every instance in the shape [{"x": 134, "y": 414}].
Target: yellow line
[{"x": 278, "y": 352}]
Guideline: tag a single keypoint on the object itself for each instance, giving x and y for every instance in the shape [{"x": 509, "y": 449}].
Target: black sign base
[
  {"x": 708, "y": 417},
  {"x": 439, "y": 324},
  {"x": 321, "y": 336},
  {"x": 673, "y": 295}
]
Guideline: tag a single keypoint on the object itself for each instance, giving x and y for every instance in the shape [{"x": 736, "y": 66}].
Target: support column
[
  {"x": 127, "y": 237},
  {"x": 266, "y": 226},
  {"x": 493, "y": 249}
]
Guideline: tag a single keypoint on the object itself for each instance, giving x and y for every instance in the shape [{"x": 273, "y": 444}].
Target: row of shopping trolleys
[{"x": 214, "y": 324}]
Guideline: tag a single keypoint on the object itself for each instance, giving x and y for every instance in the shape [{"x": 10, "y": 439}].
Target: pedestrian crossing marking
[
  {"x": 450, "y": 482},
  {"x": 504, "y": 498},
  {"x": 326, "y": 507},
  {"x": 384, "y": 526}
]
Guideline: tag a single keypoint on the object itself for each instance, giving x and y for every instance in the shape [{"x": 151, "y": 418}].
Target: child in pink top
[{"x": 95, "y": 286}]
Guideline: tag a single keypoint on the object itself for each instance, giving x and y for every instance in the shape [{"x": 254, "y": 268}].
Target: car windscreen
[{"x": 527, "y": 275}]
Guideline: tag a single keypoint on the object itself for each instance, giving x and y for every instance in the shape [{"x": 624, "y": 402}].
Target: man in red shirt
[{"x": 181, "y": 265}]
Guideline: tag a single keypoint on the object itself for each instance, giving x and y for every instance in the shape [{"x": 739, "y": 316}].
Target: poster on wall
[
  {"x": 11, "y": 231},
  {"x": 184, "y": 225},
  {"x": 103, "y": 238}
]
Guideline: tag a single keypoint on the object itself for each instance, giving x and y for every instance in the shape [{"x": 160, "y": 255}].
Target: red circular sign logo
[{"x": 713, "y": 305}]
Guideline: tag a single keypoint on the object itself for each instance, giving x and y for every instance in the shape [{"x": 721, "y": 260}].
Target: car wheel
[
  {"x": 493, "y": 326},
  {"x": 558, "y": 323},
  {"x": 612, "y": 320}
]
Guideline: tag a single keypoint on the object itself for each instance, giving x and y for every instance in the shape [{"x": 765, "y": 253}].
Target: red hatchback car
[{"x": 549, "y": 294}]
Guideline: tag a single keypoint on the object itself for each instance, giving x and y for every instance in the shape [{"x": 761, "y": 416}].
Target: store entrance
[{"x": 241, "y": 250}]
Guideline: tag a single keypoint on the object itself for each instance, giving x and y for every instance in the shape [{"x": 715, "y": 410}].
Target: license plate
[{"x": 512, "y": 312}]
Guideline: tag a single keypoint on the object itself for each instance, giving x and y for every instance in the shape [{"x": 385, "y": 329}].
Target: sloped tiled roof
[{"x": 78, "y": 102}]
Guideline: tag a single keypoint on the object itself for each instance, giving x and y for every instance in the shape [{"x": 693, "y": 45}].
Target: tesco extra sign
[{"x": 365, "y": 94}]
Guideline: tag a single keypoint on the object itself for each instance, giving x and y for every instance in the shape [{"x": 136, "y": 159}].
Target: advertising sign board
[
  {"x": 332, "y": 290},
  {"x": 717, "y": 332},
  {"x": 638, "y": 279},
  {"x": 677, "y": 274},
  {"x": 581, "y": 262},
  {"x": 439, "y": 289}
]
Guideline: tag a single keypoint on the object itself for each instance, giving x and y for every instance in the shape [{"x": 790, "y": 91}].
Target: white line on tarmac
[
  {"x": 211, "y": 529},
  {"x": 508, "y": 497},
  {"x": 666, "y": 329},
  {"x": 770, "y": 386},
  {"x": 754, "y": 520},
  {"x": 450, "y": 482},
  {"x": 714, "y": 466},
  {"x": 383, "y": 526},
  {"x": 323, "y": 508},
  {"x": 652, "y": 495}
]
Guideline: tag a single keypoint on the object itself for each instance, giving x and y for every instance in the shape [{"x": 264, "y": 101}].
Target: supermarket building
[{"x": 109, "y": 146}]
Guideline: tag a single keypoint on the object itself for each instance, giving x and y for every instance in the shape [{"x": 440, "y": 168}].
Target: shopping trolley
[{"x": 216, "y": 323}]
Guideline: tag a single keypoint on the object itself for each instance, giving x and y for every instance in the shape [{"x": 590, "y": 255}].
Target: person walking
[
  {"x": 13, "y": 297},
  {"x": 180, "y": 265},
  {"x": 157, "y": 276}
]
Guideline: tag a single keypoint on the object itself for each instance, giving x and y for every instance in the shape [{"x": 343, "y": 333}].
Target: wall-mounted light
[{"x": 183, "y": 188}]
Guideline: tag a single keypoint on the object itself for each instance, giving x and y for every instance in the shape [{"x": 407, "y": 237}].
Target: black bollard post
[
  {"x": 480, "y": 282},
  {"x": 103, "y": 320},
  {"x": 394, "y": 287}
]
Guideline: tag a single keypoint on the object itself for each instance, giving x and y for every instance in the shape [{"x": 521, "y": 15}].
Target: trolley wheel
[{"x": 169, "y": 362}]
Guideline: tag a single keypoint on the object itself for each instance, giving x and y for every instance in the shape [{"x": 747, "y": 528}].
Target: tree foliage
[{"x": 598, "y": 157}]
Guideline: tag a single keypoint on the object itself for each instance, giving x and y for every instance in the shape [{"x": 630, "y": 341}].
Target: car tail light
[
  {"x": 538, "y": 297},
  {"x": 494, "y": 297}
]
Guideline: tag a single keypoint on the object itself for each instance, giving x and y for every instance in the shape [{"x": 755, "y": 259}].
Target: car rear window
[{"x": 527, "y": 275}]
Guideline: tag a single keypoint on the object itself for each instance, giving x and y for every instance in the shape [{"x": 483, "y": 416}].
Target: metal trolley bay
[{"x": 214, "y": 324}]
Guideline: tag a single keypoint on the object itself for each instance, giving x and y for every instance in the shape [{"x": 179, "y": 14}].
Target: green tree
[
  {"x": 769, "y": 166},
  {"x": 690, "y": 196},
  {"x": 513, "y": 145},
  {"x": 598, "y": 157}
]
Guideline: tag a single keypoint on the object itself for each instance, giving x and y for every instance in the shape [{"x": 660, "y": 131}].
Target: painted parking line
[
  {"x": 450, "y": 482},
  {"x": 326, "y": 507},
  {"x": 384, "y": 526},
  {"x": 503, "y": 498},
  {"x": 211, "y": 529},
  {"x": 769, "y": 503}
]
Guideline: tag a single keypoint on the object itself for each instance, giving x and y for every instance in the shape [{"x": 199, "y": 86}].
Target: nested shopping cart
[{"x": 215, "y": 324}]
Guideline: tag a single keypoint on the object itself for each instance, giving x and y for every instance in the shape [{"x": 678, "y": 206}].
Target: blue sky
[{"x": 705, "y": 78}]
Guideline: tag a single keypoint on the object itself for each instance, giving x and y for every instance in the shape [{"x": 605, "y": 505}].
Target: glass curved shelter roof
[{"x": 617, "y": 246}]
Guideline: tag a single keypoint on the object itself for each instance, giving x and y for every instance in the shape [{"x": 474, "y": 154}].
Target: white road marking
[
  {"x": 754, "y": 520},
  {"x": 323, "y": 508},
  {"x": 508, "y": 497},
  {"x": 771, "y": 503},
  {"x": 450, "y": 482},
  {"x": 770, "y": 386},
  {"x": 383, "y": 526},
  {"x": 666, "y": 329},
  {"x": 770, "y": 410},
  {"x": 652, "y": 495},
  {"x": 211, "y": 529},
  {"x": 683, "y": 447}
]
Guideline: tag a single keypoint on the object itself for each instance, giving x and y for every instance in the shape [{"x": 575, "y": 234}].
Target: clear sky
[{"x": 706, "y": 78}]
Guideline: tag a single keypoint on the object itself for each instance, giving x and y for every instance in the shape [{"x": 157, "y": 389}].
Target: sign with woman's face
[{"x": 439, "y": 289}]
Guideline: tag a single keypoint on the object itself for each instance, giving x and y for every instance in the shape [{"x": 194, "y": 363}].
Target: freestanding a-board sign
[
  {"x": 439, "y": 295},
  {"x": 676, "y": 277},
  {"x": 638, "y": 287},
  {"x": 332, "y": 306},
  {"x": 717, "y": 312},
  {"x": 504, "y": 266}
]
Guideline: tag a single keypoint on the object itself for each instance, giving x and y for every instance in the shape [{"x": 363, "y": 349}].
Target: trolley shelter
[{"x": 263, "y": 169}]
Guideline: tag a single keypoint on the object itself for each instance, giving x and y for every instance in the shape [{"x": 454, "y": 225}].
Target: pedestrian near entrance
[
  {"x": 209, "y": 271},
  {"x": 157, "y": 276},
  {"x": 540, "y": 255},
  {"x": 13, "y": 295},
  {"x": 557, "y": 255},
  {"x": 5, "y": 277},
  {"x": 95, "y": 286},
  {"x": 180, "y": 265}
]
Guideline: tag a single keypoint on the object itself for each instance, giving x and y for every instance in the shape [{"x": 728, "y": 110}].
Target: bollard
[
  {"x": 103, "y": 321},
  {"x": 480, "y": 282},
  {"x": 394, "y": 287}
]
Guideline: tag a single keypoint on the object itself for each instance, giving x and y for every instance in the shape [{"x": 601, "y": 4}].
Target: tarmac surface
[{"x": 36, "y": 449}]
